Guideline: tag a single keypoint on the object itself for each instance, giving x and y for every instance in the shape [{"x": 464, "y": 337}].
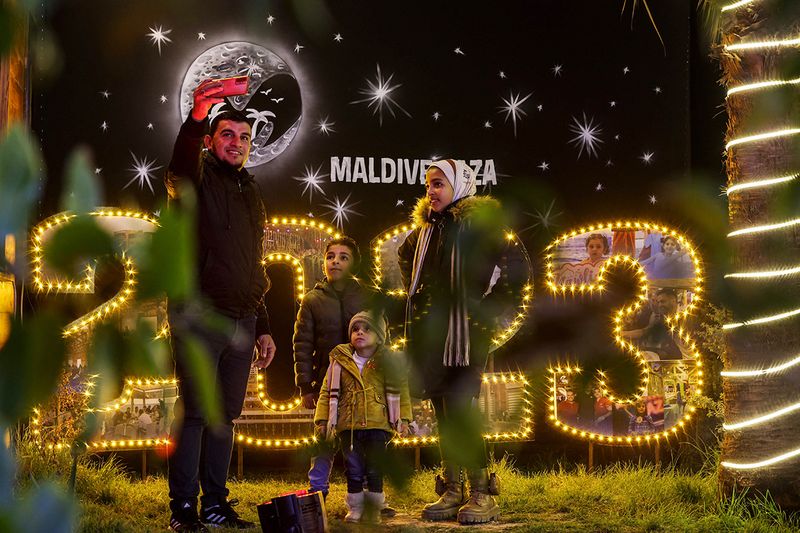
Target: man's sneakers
[
  {"x": 184, "y": 518},
  {"x": 223, "y": 515}
]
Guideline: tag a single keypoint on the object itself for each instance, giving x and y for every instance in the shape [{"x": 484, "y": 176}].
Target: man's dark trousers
[{"x": 202, "y": 453}]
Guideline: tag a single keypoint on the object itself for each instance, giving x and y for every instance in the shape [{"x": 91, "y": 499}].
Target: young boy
[
  {"x": 321, "y": 325},
  {"x": 363, "y": 400}
]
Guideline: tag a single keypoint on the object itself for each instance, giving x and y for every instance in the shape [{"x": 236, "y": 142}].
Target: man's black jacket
[{"x": 230, "y": 219}]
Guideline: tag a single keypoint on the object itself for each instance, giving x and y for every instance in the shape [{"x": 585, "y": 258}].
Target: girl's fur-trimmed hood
[{"x": 462, "y": 210}]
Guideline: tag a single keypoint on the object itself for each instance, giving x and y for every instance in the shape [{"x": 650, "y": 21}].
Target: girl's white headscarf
[
  {"x": 457, "y": 345},
  {"x": 460, "y": 175}
]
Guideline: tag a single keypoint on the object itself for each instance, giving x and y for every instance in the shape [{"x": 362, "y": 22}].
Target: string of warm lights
[
  {"x": 120, "y": 403},
  {"x": 270, "y": 404},
  {"x": 777, "y": 43},
  {"x": 47, "y": 282},
  {"x": 304, "y": 222},
  {"x": 504, "y": 333},
  {"x": 761, "y": 464},
  {"x": 767, "y": 182},
  {"x": 523, "y": 433},
  {"x": 276, "y": 443},
  {"x": 103, "y": 310},
  {"x": 40, "y": 280},
  {"x": 763, "y": 320},
  {"x": 297, "y": 271},
  {"x": 525, "y": 430},
  {"x": 763, "y": 418},
  {"x": 737, "y": 5},
  {"x": 786, "y": 132},
  {"x": 769, "y": 84},
  {"x": 109, "y": 445},
  {"x": 762, "y": 275},
  {"x": 598, "y": 437},
  {"x": 761, "y": 371},
  {"x": 377, "y": 255},
  {"x": 599, "y": 285},
  {"x": 299, "y": 291},
  {"x": 763, "y": 228}
]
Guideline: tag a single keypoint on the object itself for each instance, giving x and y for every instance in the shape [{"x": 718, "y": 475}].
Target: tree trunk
[{"x": 771, "y": 343}]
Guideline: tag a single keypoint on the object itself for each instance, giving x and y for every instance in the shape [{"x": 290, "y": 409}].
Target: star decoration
[
  {"x": 657, "y": 90},
  {"x": 647, "y": 157},
  {"x": 613, "y": 103},
  {"x": 159, "y": 36},
  {"x": 436, "y": 116},
  {"x": 599, "y": 187},
  {"x": 458, "y": 51},
  {"x": 587, "y": 136},
  {"x": 105, "y": 94},
  {"x": 163, "y": 99},
  {"x": 104, "y": 126},
  {"x": 399, "y": 202},
  {"x": 201, "y": 36},
  {"x": 653, "y": 199},
  {"x": 338, "y": 37},
  {"x": 544, "y": 218},
  {"x": 616, "y": 137},
  {"x": 544, "y": 165},
  {"x": 539, "y": 107},
  {"x": 341, "y": 210},
  {"x": 487, "y": 124},
  {"x": 150, "y": 126},
  {"x": 325, "y": 126},
  {"x": 557, "y": 70},
  {"x": 297, "y": 48},
  {"x": 310, "y": 214},
  {"x": 502, "y": 75},
  {"x": 142, "y": 172},
  {"x": 625, "y": 70},
  {"x": 513, "y": 108},
  {"x": 98, "y": 170},
  {"x": 379, "y": 96},
  {"x": 312, "y": 179},
  {"x": 270, "y": 19}
]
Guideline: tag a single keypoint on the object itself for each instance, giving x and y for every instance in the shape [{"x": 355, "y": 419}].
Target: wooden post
[
  {"x": 591, "y": 456},
  {"x": 239, "y": 462},
  {"x": 658, "y": 455},
  {"x": 417, "y": 459},
  {"x": 144, "y": 464}
]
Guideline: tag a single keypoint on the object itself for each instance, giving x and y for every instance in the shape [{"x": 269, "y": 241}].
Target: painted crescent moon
[{"x": 239, "y": 58}]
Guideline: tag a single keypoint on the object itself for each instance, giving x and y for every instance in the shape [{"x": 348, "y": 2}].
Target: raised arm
[{"x": 184, "y": 167}]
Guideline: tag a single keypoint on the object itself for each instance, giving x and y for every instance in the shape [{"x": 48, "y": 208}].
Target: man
[
  {"x": 656, "y": 336},
  {"x": 230, "y": 217}
]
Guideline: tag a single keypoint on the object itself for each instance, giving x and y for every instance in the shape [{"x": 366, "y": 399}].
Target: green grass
[{"x": 622, "y": 498}]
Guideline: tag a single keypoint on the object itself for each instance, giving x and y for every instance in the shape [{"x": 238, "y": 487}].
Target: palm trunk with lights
[{"x": 761, "y": 446}]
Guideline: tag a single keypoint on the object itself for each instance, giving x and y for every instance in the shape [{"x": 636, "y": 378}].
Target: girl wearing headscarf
[{"x": 449, "y": 268}]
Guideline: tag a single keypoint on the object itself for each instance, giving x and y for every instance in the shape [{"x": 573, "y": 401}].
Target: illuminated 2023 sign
[{"x": 651, "y": 330}]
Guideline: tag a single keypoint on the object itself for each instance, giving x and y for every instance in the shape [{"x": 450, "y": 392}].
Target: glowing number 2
[{"x": 44, "y": 282}]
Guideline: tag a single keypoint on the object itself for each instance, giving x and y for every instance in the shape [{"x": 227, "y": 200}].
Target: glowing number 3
[{"x": 678, "y": 265}]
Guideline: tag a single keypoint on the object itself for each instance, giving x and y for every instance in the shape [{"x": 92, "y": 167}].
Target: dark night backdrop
[
  {"x": 105, "y": 47},
  {"x": 582, "y": 62}
]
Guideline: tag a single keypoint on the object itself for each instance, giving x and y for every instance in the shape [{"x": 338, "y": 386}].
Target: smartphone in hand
[{"x": 234, "y": 86}]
